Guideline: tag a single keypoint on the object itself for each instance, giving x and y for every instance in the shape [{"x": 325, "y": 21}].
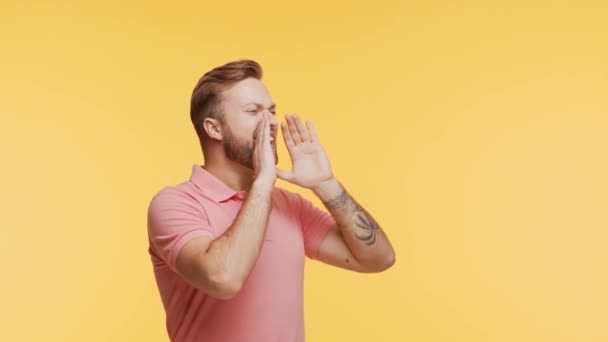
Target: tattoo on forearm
[
  {"x": 361, "y": 218},
  {"x": 365, "y": 222},
  {"x": 341, "y": 201}
]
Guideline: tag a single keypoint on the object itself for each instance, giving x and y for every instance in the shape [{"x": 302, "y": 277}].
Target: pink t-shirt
[{"x": 269, "y": 306}]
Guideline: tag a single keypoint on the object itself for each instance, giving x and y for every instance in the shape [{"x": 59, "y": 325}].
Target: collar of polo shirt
[{"x": 212, "y": 186}]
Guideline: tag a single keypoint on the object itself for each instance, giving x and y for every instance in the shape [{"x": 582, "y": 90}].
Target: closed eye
[{"x": 255, "y": 111}]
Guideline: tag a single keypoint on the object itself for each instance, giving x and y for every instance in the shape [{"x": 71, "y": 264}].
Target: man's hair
[{"x": 206, "y": 99}]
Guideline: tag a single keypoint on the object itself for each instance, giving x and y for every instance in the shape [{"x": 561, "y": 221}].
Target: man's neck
[{"x": 232, "y": 174}]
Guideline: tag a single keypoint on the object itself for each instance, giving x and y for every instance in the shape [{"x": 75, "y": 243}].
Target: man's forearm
[
  {"x": 236, "y": 251},
  {"x": 362, "y": 234}
]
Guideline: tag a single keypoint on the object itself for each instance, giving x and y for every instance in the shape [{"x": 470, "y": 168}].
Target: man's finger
[
  {"x": 293, "y": 129},
  {"x": 267, "y": 132},
  {"x": 259, "y": 139},
  {"x": 285, "y": 175},
  {"x": 287, "y": 136},
  {"x": 301, "y": 129},
  {"x": 312, "y": 131}
]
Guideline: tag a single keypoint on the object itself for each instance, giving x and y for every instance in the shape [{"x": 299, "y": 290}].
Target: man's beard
[{"x": 242, "y": 151}]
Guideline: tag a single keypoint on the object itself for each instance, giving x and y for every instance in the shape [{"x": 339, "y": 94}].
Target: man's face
[{"x": 244, "y": 106}]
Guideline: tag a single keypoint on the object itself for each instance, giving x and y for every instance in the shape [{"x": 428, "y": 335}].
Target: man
[{"x": 228, "y": 246}]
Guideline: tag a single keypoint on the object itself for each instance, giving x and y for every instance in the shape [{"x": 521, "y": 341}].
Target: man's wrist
[
  {"x": 262, "y": 186},
  {"x": 328, "y": 189}
]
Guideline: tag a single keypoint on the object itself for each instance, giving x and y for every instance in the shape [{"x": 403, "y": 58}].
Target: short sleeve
[
  {"x": 173, "y": 220},
  {"x": 315, "y": 224}
]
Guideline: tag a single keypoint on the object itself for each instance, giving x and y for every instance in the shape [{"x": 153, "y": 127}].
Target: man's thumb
[{"x": 285, "y": 175}]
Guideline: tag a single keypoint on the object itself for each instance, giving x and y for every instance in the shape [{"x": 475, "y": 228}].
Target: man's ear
[{"x": 213, "y": 129}]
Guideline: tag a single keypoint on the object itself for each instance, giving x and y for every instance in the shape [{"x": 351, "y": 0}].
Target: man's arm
[
  {"x": 356, "y": 242},
  {"x": 220, "y": 267}
]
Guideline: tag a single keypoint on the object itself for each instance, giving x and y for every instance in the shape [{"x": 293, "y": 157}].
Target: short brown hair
[{"x": 206, "y": 99}]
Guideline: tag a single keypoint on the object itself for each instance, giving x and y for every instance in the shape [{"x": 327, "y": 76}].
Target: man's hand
[
  {"x": 263, "y": 156},
  {"x": 310, "y": 165}
]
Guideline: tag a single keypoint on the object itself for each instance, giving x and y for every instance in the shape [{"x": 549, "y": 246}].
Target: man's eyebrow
[{"x": 273, "y": 105}]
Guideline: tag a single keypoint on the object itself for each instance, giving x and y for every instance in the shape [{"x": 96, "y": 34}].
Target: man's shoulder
[
  {"x": 181, "y": 192},
  {"x": 287, "y": 195},
  {"x": 289, "y": 199}
]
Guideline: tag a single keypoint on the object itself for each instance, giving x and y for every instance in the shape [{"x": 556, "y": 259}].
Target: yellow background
[{"x": 475, "y": 133}]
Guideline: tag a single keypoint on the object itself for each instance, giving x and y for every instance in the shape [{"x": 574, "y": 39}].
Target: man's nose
[{"x": 272, "y": 118}]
